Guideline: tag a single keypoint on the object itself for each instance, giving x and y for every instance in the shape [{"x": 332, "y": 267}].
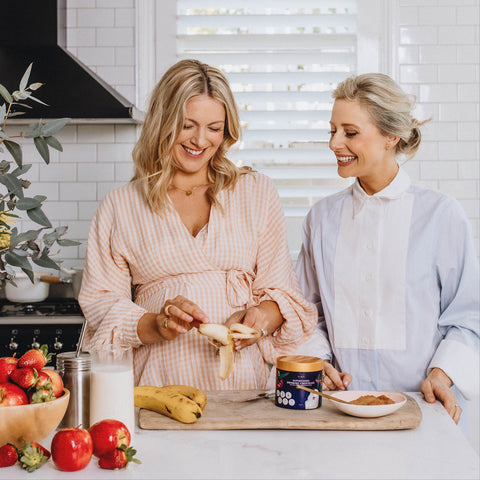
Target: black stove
[{"x": 55, "y": 322}]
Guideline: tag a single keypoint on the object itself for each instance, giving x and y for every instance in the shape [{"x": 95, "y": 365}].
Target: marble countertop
[{"x": 436, "y": 449}]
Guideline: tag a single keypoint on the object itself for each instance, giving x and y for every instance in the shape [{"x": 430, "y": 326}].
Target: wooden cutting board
[{"x": 229, "y": 410}]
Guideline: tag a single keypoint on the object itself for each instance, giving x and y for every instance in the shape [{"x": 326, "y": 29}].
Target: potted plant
[{"x": 23, "y": 250}]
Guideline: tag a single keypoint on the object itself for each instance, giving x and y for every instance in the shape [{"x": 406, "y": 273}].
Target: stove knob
[
  {"x": 35, "y": 344},
  {"x": 57, "y": 345},
  {"x": 13, "y": 345}
]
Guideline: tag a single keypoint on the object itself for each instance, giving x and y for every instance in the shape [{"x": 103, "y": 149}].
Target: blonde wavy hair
[
  {"x": 153, "y": 157},
  {"x": 388, "y": 105}
]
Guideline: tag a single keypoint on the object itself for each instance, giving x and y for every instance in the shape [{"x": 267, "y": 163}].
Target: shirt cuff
[
  {"x": 130, "y": 330},
  {"x": 460, "y": 363}
]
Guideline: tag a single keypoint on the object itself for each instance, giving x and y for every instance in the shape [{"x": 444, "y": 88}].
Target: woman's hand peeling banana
[{"x": 225, "y": 336}]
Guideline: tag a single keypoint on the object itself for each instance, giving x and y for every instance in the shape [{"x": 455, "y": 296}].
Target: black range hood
[{"x": 34, "y": 31}]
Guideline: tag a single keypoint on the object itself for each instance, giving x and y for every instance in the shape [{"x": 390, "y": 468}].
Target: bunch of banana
[
  {"x": 181, "y": 402},
  {"x": 224, "y": 337}
]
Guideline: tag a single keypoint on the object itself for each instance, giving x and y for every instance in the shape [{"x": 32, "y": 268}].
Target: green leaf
[
  {"x": 42, "y": 148},
  {"x": 53, "y": 126},
  {"x": 13, "y": 184},
  {"x": 40, "y": 198},
  {"x": 3, "y": 112},
  {"x": 4, "y": 135},
  {"x": 26, "y": 76},
  {"x": 37, "y": 215},
  {"x": 31, "y": 97},
  {"x": 28, "y": 203},
  {"x": 68, "y": 243},
  {"x": 4, "y": 93},
  {"x": 15, "y": 151},
  {"x": 24, "y": 237},
  {"x": 22, "y": 171},
  {"x": 45, "y": 261},
  {"x": 54, "y": 143},
  {"x": 18, "y": 261}
]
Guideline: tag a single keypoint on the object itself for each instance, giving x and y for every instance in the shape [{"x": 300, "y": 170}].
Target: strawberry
[
  {"x": 118, "y": 458},
  {"x": 36, "y": 358},
  {"x": 33, "y": 455},
  {"x": 49, "y": 376},
  {"x": 24, "y": 377},
  {"x": 8, "y": 455},
  {"x": 41, "y": 395}
]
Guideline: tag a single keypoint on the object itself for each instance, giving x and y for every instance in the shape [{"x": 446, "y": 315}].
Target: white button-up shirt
[{"x": 395, "y": 278}]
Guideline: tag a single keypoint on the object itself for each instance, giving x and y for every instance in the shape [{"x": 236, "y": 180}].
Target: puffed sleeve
[
  {"x": 105, "y": 296},
  {"x": 319, "y": 344},
  {"x": 276, "y": 280},
  {"x": 458, "y": 276}
]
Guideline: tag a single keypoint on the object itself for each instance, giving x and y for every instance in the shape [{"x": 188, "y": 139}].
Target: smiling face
[
  {"x": 360, "y": 147},
  {"x": 200, "y": 137}
]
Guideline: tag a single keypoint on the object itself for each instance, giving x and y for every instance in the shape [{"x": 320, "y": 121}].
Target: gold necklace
[{"x": 191, "y": 190}]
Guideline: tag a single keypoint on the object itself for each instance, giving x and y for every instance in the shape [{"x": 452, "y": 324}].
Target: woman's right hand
[
  {"x": 333, "y": 379},
  {"x": 178, "y": 316}
]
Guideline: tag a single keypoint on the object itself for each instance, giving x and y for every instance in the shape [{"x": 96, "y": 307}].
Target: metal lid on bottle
[
  {"x": 299, "y": 363},
  {"x": 69, "y": 361}
]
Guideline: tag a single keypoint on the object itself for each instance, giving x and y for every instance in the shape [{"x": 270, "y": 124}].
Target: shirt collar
[{"x": 397, "y": 187}]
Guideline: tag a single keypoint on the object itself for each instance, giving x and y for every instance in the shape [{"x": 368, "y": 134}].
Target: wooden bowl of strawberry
[{"x": 33, "y": 399}]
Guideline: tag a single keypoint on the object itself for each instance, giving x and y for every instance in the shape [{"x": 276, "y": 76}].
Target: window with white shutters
[{"x": 282, "y": 59}]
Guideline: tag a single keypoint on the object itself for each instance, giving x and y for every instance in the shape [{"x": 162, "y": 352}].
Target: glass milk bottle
[{"x": 111, "y": 385}]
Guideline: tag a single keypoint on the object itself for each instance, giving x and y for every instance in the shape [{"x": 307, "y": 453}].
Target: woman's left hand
[
  {"x": 265, "y": 318},
  {"x": 437, "y": 386}
]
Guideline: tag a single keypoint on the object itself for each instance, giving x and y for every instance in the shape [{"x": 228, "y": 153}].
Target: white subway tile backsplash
[
  {"x": 101, "y": 172},
  {"x": 115, "y": 37},
  {"x": 418, "y": 73},
  {"x": 115, "y": 152},
  {"x": 408, "y": 54},
  {"x": 126, "y": 133},
  {"x": 458, "y": 35},
  {"x": 95, "y": 17},
  {"x": 124, "y": 17},
  {"x": 124, "y": 172},
  {"x": 467, "y": 112},
  {"x": 438, "y": 93},
  {"x": 468, "y": 92},
  {"x": 125, "y": 56},
  {"x": 468, "y": 15},
  {"x": 86, "y": 210},
  {"x": 438, "y": 54},
  {"x": 408, "y": 15},
  {"x": 81, "y": 37},
  {"x": 468, "y": 169},
  {"x": 75, "y": 4},
  {"x": 79, "y": 153},
  {"x": 465, "y": 53},
  {"x": 58, "y": 173},
  {"x": 420, "y": 35},
  {"x": 96, "y": 55},
  {"x": 459, "y": 189},
  {"x": 61, "y": 211},
  {"x": 438, "y": 170},
  {"x": 458, "y": 150},
  {"x": 435, "y": 15},
  {"x": 468, "y": 131},
  {"x": 117, "y": 75},
  {"x": 78, "y": 190},
  {"x": 437, "y": 131},
  {"x": 95, "y": 133},
  {"x": 457, "y": 73},
  {"x": 78, "y": 229},
  {"x": 48, "y": 189},
  {"x": 116, "y": 3}
]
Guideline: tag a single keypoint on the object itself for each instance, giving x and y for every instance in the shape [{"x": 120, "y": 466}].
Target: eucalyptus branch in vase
[{"x": 33, "y": 247}]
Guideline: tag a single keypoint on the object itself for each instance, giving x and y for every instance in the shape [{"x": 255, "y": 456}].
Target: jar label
[{"x": 289, "y": 396}]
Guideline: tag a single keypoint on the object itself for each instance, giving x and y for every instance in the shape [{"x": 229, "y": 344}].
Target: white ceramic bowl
[{"x": 367, "y": 410}]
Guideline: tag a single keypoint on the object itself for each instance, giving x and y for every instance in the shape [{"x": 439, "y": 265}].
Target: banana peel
[{"x": 222, "y": 337}]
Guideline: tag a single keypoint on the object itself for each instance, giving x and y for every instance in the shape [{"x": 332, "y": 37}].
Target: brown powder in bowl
[{"x": 372, "y": 400}]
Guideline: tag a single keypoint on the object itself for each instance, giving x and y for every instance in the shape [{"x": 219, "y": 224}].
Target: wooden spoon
[{"x": 330, "y": 397}]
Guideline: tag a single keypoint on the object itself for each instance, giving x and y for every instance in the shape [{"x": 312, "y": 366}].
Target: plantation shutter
[{"x": 282, "y": 59}]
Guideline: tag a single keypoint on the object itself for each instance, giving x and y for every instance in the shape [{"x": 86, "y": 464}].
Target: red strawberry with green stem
[
  {"x": 8, "y": 455},
  {"x": 24, "y": 377},
  {"x": 36, "y": 358},
  {"x": 33, "y": 455},
  {"x": 118, "y": 458}
]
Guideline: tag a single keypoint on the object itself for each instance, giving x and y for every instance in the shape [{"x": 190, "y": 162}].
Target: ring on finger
[
  {"x": 165, "y": 323},
  {"x": 167, "y": 310},
  {"x": 264, "y": 332}
]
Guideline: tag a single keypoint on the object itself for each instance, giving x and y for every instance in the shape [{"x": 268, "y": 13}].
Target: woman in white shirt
[{"x": 391, "y": 266}]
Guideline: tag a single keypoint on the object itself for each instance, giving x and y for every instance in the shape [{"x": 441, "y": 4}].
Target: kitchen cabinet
[{"x": 436, "y": 449}]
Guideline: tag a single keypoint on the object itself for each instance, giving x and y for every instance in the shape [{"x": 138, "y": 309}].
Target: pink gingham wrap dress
[{"x": 239, "y": 259}]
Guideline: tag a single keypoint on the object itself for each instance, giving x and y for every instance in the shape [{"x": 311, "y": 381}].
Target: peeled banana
[
  {"x": 224, "y": 336},
  {"x": 171, "y": 401}
]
